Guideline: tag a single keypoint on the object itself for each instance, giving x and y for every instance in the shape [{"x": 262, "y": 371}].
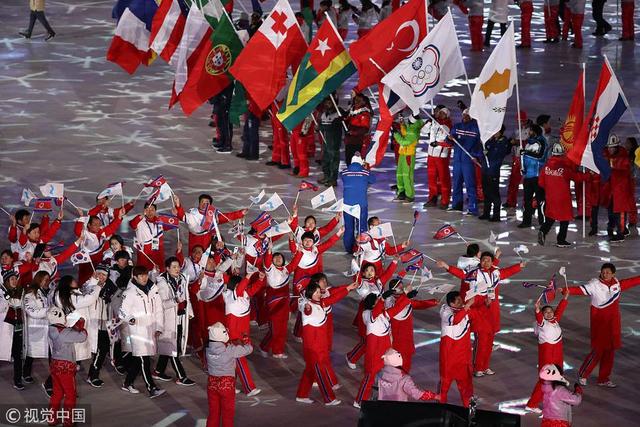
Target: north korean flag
[
  {"x": 168, "y": 222},
  {"x": 43, "y": 205},
  {"x": 445, "y": 231}
]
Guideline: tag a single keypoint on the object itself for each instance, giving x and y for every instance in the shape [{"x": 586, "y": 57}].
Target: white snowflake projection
[
  {"x": 258, "y": 400},
  {"x": 71, "y": 7},
  {"x": 26, "y": 80},
  {"x": 142, "y": 97},
  {"x": 22, "y": 141},
  {"x": 129, "y": 116},
  {"x": 85, "y": 61}
]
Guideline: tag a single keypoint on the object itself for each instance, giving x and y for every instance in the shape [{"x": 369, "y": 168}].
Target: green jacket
[{"x": 409, "y": 141}]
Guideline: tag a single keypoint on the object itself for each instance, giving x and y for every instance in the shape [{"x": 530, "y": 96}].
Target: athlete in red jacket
[
  {"x": 455, "y": 347},
  {"x": 605, "y": 321}
]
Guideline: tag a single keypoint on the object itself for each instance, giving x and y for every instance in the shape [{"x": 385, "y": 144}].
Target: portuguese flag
[
  {"x": 323, "y": 69},
  {"x": 209, "y": 64}
]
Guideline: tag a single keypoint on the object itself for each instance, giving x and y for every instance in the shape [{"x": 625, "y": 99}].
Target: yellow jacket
[{"x": 36, "y": 5}]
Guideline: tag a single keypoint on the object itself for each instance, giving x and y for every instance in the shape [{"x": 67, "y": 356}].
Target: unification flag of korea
[
  {"x": 112, "y": 190},
  {"x": 278, "y": 229},
  {"x": 52, "y": 189},
  {"x": 495, "y": 86},
  {"x": 273, "y": 203},
  {"x": 323, "y": 198},
  {"x": 43, "y": 205},
  {"x": 27, "y": 196},
  {"x": 437, "y": 60},
  {"x": 608, "y": 105},
  {"x": 336, "y": 207},
  {"x": 80, "y": 258},
  {"x": 353, "y": 210},
  {"x": 381, "y": 231},
  {"x": 257, "y": 199},
  {"x": 445, "y": 231},
  {"x": 168, "y": 222}
]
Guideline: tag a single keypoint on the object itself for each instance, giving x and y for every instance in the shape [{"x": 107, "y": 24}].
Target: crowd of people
[{"x": 133, "y": 303}]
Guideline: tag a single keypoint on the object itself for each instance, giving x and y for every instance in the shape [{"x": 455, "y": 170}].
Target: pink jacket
[
  {"x": 395, "y": 385},
  {"x": 558, "y": 402}
]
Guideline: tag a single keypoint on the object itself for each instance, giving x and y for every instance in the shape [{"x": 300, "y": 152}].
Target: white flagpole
[
  {"x": 518, "y": 104},
  {"x": 4, "y": 210},
  {"x": 584, "y": 183}
]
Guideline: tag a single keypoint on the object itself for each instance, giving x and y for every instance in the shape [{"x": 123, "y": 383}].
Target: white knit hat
[{"x": 217, "y": 332}]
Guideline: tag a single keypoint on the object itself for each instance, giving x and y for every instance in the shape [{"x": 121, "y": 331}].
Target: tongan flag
[
  {"x": 130, "y": 45},
  {"x": 166, "y": 29},
  {"x": 262, "y": 65},
  {"x": 389, "y": 42},
  {"x": 445, "y": 231},
  {"x": 437, "y": 60},
  {"x": 608, "y": 105}
]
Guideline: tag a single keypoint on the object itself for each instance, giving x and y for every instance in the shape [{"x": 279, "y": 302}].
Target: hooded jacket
[{"x": 221, "y": 358}]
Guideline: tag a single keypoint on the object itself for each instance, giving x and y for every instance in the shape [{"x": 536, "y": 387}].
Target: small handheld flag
[
  {"x": 323, "y": 198},
  {"x": 262, "y": 223},
  {"x": 168, "y": 222},
  {"x": 381, "y": 231},
  {"x": 444, "y": 232},
  {"x": 273, "y": 203},
  {"x": 278, "y": 229},
  {"x": 353, "y": 210},
  {"x": 52, "y": 189},
  {"x": 27, "y": 196},
  {"x": 256, "y": 199},
  {"x": 306, "y": 185},
  {"x": 156, "y": 183},
  {"x": 80, "y": 258},
  {"x": 112, "y": 190},
  {"x": 42, "y": 205}
]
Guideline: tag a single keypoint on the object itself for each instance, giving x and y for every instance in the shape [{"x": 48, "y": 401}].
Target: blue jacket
[
  {"x": 468, "y": 135},
  {"x": 495, "y": 152},
  {"x": 534, "y": 156},
  {"x": 356, "y": 180}
]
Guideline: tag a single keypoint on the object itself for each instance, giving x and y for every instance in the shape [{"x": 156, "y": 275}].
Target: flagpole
[
  {"x": 296, "y": 199},
  {"x": 452, "y": 138},
  {"x": 335, "y": 30},
  {"x": 4, "y": 210},
  {"x": 458, "y": 43},
  {"x": 518, "y": 106},
  {"x": 624, "y": 98},
  {"x": 584, "y": 183}
]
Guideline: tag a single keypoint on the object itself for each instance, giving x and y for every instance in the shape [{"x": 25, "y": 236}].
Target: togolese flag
[{"x": 323, "y": 69}]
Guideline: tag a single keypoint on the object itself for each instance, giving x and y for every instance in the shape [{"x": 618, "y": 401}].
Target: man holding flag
[{"x": 356, "y": 180}]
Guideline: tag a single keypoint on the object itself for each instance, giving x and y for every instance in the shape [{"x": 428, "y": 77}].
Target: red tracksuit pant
[
  {"x": 375, "y": 348},
  {"x": 464, "y": 382},
  {"x": 318, "y": 372},
  {"x": 439, "y": 179},
  {"x": 222, "y": 401},
  {"x": 628, "y": 30},
  {"x": 514, "y": 182},
  {"x": 238, "y": 326},
  {"x": 604, "y": 358},
  {"x": 526, "y": 12},
  {"x": 280, "y": 152},
  {"x": 63, "y": 375},
  {"x": 276, "y": 338},
  {"x": 550, "y": 20}
]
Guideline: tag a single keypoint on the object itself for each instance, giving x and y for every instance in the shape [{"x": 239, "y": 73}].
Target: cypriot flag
[{"x": 494, "y": 87}]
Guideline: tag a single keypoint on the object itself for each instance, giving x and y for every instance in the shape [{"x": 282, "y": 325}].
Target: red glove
[
  {"x": 79, "y": 325},
  {"x": 577, "y": 388},
  {"x": 429, "y": 395},
  {"x": 246, "y": 339}
]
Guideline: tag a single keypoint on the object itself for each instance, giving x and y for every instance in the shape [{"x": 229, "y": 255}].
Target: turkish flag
[
  {"x": 389, "y": 42},
  {"x": 262, "y": 65}
]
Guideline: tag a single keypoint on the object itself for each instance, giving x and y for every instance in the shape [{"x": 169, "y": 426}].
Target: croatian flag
[
  {"x": 130, "y": 44},
  {"x": 608, "y": 105}
]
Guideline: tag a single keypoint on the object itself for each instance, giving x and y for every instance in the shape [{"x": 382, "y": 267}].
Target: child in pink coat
[{"x": 395, "y": 384}]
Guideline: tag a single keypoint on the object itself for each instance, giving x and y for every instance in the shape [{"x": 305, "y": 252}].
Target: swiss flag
[
  {"x": 262, "y": 65},
  {"x": 389, "y": 42}
]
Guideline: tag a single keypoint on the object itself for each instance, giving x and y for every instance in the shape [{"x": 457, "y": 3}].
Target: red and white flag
[
  {"x": 389, "y": 42},
  {"x": 157, "y": 182},
  {"x": 262, "y": 65},
  {"x": 80, "y": 258},
  {"x": 445, "y": 231},
  {"x": 166, "y": 30},
  {"x": 389, "y": 104}
]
